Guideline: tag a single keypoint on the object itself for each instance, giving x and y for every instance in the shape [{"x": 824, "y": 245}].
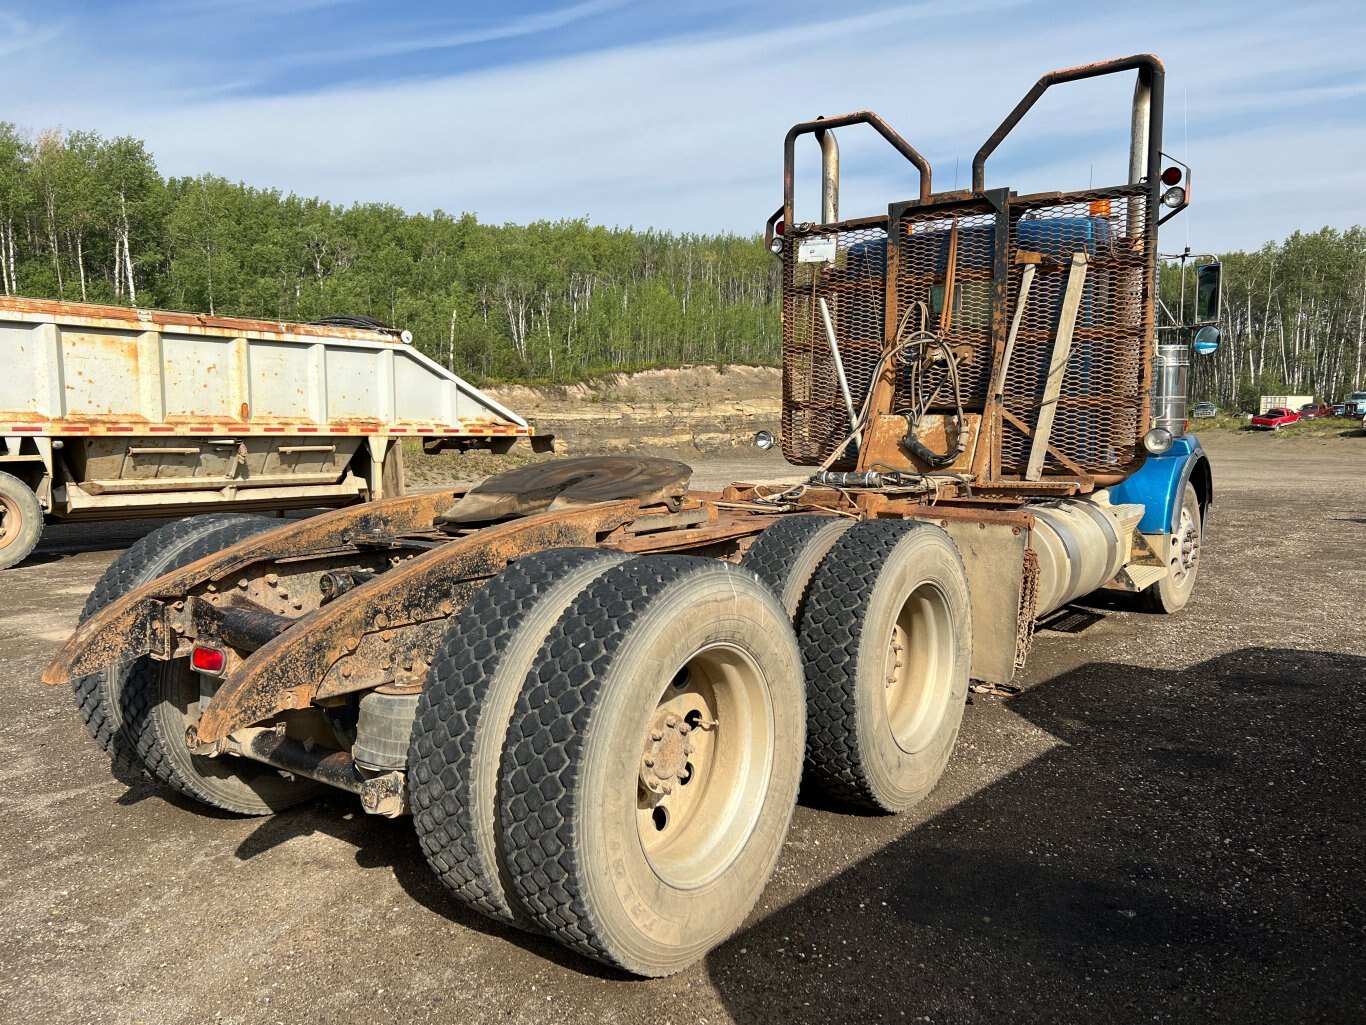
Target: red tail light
[{"x": 208, "y": 660}]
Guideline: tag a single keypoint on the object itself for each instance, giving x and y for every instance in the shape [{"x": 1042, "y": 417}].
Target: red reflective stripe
[
  {"x": 27, "y": 430},
  {"x": 274, "y": 430},
  {"x": 162, "y": 430}
]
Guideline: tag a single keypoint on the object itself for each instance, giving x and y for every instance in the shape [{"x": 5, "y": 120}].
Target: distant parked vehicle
[
  {"x": 1203, "y": 410},
  {"x": 1275, "y": 418},
  {"x": 1314, "y": 410},
  {"x": 1340, "y": 409},
  {"x": 1356, "y": 403}
]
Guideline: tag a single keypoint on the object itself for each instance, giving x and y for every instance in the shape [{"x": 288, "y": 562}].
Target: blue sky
[{"x": 672, "y": 115}]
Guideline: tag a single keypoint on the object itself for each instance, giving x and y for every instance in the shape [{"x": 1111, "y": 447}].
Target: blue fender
[{"x": 1161, "y": 481}]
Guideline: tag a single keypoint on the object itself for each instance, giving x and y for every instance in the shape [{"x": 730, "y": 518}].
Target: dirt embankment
[{"x": 695, "y": 409}]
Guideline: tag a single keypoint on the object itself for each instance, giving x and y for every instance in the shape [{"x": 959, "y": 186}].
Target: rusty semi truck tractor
[{"x": 597, "y": 691}]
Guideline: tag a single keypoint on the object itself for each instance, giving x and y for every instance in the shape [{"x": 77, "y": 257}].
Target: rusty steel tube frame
[
  {"x": 132, "y": 625},
  {"x": 288, "y": 672},
  {"x": 1145, "y": 131},
  {"x": 824, "y": 127}
]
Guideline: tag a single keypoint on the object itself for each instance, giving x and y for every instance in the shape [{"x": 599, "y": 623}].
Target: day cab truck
[
  {"x": 596, "y": 690},
  {"x": 110, "y": 412}
]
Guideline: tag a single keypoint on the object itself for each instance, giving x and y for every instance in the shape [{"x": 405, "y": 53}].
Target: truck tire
[
  {"x": 154, "y": 555},
  {"x": 1172, "y": 592},
  {"x": 159, "y": 702},
  {"x": 462, "y": 720},
  {"x": 785, "y": 556},
  {"x": 652, "y": 762},
  {"x": 21, "y": 520},
  {"x": 886, "y": 644}
]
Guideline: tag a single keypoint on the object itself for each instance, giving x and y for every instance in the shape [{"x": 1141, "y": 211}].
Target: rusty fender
[
  {"x": 134, "y": 625},
  {"x": 316, "y": 655}
]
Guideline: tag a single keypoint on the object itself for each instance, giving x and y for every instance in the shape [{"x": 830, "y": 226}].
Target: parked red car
[
  {"x": 1275, "y": 418},
  {"x": 1314, "y": 410}
]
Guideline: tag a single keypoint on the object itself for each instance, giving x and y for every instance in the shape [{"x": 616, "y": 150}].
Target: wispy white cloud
[
  {"x": 511, "y": 28},
  {"x": 686, "y": 133}
]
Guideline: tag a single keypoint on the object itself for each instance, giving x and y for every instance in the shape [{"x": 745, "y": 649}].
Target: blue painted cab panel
[{"x": 1160, "y": 484}]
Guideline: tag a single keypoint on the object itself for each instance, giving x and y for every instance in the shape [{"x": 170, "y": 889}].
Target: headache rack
[{"x": 1005, "y": 338}]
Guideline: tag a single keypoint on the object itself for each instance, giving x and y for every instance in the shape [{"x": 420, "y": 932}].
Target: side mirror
[
  {"x": 1208, "y": 282},
  {"x": 1206, "y": 341}
]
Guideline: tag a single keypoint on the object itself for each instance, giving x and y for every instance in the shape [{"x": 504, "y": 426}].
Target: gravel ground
[{"x": 1164, "y": 825}]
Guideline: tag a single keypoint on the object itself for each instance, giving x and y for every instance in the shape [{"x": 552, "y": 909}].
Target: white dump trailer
[{"x": 110, "y": 412}]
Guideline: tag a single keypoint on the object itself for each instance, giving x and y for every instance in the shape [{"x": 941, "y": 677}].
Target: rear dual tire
[
  {"x": 99, "y": 695},
  {"x": 886, "y": 642},
  {"x": 648, "y": 771},
  {"x": 139, "y": 712}
]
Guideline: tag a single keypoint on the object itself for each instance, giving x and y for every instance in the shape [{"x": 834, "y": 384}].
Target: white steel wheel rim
[
  {"x": 919, "y": 675},
  {"x": 691, "y": 834},
  {"x": 11, "y": 520},
  {"x": 1186, "y": 547}
]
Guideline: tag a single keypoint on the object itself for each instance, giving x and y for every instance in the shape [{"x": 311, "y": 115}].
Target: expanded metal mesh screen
[
  {"x": 925, "y": 239},
  {"x": 1099, "y": 415},
  {"x": 853, "y": 285}
]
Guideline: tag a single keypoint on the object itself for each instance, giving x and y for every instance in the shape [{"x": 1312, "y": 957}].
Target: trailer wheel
[
  {"x": 159, "y": 701},
  {"x": 462, "y": 720},
  {"x": 21, "y": 520},
  {"x": 652, "y": 762},
  {"x": 886, "y": 645},
  {"x": 1172, "y": 592},
  {"x": 786, "y": 556},
  {"x": 153, "y": 555}
]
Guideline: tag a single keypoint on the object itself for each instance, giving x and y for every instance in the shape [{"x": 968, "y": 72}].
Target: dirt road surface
[{"x": 1166, "y": 825}]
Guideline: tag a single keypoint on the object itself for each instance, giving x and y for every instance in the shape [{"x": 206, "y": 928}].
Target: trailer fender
[{"x": 1160, "y": 484}]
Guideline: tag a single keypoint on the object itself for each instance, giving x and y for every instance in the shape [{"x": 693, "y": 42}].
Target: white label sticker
[{"x": 816, "y": 250}]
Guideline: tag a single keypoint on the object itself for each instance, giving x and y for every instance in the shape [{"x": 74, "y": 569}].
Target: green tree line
[
  {"x": 1292, "y": 317},
  {"x": 91, "y": 219},
  {"x": 88, "y": 218}
]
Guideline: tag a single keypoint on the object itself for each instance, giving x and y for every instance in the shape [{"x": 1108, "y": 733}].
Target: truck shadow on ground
[{"x": 1189, "y": 850}]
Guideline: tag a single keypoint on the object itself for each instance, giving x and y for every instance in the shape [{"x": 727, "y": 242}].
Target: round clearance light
[
  {"x": 1174, "y": 197},
  {"x": 776, "y": 246},
  {"x": 1207, "y": 340},
  {"x": 765, "y": 440},
  {"x": 406, "y": 337},
  {"x": 1158, "y": 441},
  {"x": 1171, "y": 176}
]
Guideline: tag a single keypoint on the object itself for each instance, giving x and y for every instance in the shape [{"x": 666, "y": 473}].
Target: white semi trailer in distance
[{"x": 109, "y": 412}]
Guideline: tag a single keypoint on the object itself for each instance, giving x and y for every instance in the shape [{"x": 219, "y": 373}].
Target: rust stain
[
  {"x": 105, "y": 637},
  {"x": 289, "y": 670}
]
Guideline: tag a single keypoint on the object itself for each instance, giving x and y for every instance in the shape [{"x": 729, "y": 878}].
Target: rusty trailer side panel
[{"x": 78, "y": 369}]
